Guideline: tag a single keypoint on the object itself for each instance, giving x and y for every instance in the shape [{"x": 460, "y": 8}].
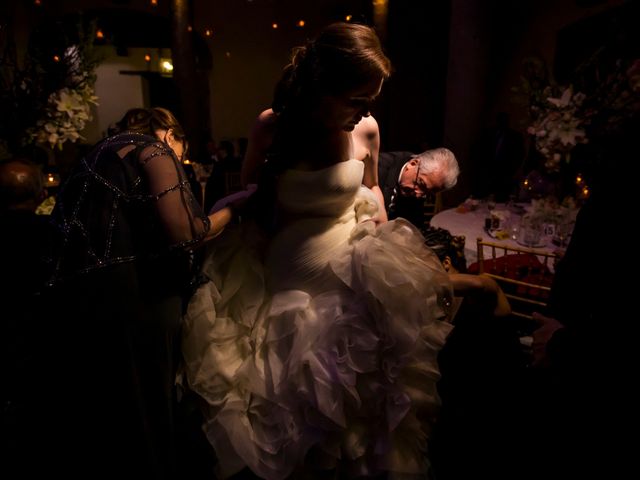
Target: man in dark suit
[{"x": 406, "y": 178}]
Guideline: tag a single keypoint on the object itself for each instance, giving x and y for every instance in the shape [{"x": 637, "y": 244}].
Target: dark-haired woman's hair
[
  {"x": 444, "y": 245},
  {"x": 343, "y": 57},
  {"x": 148, "y": 120}
]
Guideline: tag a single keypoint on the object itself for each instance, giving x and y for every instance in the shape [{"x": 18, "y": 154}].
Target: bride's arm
[
  {"x": 369, "y": 134},
  {"x": 260, "y": 140}
]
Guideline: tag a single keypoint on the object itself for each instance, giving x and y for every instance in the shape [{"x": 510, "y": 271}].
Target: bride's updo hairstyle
[{"x": 343, "y": 57}]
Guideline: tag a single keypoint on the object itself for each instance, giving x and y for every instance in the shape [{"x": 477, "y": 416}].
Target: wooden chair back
[
  {"x": 524, "y": 274},
  {"x": 432, "y": 205}
]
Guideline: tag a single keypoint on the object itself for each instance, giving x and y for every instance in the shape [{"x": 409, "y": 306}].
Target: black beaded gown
[{"x": 125, "y": 220}]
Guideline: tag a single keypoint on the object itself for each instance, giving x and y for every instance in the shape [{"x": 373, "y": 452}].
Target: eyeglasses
[{"x": 418, "y": 189}]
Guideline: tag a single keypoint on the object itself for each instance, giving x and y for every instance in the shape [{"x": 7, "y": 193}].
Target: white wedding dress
[{"x": 321, "y": 352}]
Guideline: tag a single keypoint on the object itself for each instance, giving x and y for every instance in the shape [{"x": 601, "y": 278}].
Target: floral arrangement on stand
[
  {"x": 604, "y": 93},
  {"x": 46, "y": 97},
  {"x": 69, "y": 108},
  {"x": 559, "y": 127}
]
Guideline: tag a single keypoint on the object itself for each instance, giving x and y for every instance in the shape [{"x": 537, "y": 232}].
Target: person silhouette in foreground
[{"x": 583, "y": 345}]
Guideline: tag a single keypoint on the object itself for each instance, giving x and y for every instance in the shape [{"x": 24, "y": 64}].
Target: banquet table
[{"x": 471, "y": 224}]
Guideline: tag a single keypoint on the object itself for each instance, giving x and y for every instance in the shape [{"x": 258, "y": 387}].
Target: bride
[{"x": 314, "y": 348}]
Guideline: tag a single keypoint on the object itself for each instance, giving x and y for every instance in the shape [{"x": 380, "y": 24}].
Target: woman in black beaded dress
[{"x": 126, "y": 222}]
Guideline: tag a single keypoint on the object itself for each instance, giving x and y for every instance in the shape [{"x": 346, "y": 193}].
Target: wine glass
[{"x": 491, "y": 203}]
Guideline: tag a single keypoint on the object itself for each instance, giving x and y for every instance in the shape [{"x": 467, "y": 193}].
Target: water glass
[{"x": 491, "y": 203}]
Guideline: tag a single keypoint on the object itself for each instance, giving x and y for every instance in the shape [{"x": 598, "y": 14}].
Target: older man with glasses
[{"x": 406, "y": 179}]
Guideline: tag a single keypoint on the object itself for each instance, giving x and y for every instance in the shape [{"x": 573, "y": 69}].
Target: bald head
[{"x": 21, "y": 185}]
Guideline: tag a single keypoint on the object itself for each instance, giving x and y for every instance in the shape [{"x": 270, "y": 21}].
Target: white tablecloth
[{"x": 471, "y": 225}]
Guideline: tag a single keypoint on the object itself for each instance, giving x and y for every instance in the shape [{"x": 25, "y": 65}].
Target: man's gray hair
[{"x": 440, "y": 160}]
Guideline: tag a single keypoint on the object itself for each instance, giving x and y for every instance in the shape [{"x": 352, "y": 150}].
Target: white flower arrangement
[
  {"x": 68, "y": 109},
  {"x": 547, "y": 210},
  {"x": 559, "y": 127},
  {"x": 560, "y": 118}
]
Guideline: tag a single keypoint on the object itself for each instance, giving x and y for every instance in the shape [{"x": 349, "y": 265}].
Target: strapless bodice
[
  {"x": 317, "y": 212},
  {"x": 326, "y": 192}
]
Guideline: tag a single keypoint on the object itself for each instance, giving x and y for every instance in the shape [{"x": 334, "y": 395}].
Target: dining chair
[
  {"x": 524, "y": 274},
  {"x": 432, "y": 205}
]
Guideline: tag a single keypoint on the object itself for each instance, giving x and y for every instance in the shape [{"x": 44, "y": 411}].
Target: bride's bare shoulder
[
  {"x": 366, "y": 127},
  {"x": 266, "y": 120},
  {"x": 263, "y": 128}
]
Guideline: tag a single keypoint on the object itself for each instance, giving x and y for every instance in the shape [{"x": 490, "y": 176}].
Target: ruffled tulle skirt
[{"x": 343, "y": 378}]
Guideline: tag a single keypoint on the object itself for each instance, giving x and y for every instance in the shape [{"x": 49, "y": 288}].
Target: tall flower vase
[{"x": 560, "y": 182}]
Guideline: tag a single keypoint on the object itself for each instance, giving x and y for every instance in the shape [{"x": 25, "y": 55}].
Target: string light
[
  {"x": 208, "y": 32},
  {"x": 274, "y": 26},
  {"x": 348, "y": 18},
  {"x": 227, "y": 54},
  {"x": 189, "y": 28},
  {"x": 579, "y": 179},
  {"x": 166, "y": 66},
  {"x": 56, "y": 58},
  {"x": 37, "y": 2},
  {"x": 154, "y": 3},
  {"x": 301, "y": 23},
  {"x": 147, "y": 58},
  {"x": 99, "y": 34}
]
